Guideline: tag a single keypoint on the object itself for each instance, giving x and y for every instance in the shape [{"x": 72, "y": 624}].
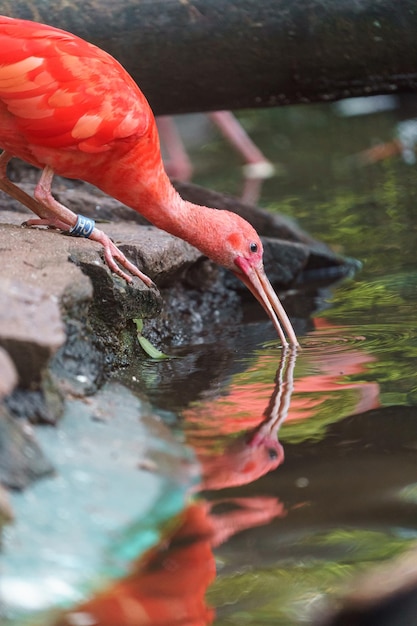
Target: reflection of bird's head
[
  {"x": 243, "y": 462},
  {"x": 267, "y": 450}
]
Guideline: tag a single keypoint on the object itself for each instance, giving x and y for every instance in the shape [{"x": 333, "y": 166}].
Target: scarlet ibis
[{"x": 69, "y": 108}]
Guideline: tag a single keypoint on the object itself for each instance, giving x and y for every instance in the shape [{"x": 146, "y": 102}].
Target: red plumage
[
  {"x": 58, "y": 91},
  {"x": 70, "y": 108}
]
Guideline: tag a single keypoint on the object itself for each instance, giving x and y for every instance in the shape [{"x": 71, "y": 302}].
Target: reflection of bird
[
  {"x": 256, "y": 451},
  {"x": 69, "y": 108}
]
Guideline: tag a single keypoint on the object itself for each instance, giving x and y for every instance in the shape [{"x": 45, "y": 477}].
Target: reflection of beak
[{"x": 258, "y": 284}]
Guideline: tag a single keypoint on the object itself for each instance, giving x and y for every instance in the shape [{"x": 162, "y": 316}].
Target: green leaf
[
  {"x": 150, "y": 350},
  {"x": 146, "y": 345}
]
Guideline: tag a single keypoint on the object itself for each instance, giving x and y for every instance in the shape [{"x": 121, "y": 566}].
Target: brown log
[{"x": 196, "y": 55}]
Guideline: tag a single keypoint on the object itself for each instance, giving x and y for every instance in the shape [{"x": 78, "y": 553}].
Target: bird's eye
[
  {"x": 253, "y": 247},
  {"x": 272, "y": 453}
]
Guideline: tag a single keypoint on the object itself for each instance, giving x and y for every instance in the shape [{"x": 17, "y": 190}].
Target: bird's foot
[
  {"x": 113, "y": 256},
  {"x": 49, "y": 222}
]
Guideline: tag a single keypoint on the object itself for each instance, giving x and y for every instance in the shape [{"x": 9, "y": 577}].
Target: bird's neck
[
  {"x": 152, "y": 194},
  {"x": 186, "y": 220}
]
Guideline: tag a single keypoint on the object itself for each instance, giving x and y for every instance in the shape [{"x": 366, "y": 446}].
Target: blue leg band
[{"x": 83, "y": 227}]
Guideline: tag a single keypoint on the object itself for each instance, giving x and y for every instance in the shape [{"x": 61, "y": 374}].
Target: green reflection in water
[
  {"x": 292, "y": 592},
  {"x": 365, "y": 212},
  {"x": 369, "y": 213}
]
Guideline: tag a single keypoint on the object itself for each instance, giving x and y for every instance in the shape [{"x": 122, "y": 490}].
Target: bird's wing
[{"x": 63, "y": 92}]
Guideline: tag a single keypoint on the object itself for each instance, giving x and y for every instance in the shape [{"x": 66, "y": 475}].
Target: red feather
[
  {"x": 58, "y": 91},
  {"x": 70, "y": 108}
]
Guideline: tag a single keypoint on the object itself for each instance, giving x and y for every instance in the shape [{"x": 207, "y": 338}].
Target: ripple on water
[{"x": 375, "y": 338}]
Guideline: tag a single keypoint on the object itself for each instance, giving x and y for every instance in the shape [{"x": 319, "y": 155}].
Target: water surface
[
  {"x": 307, "y": 461},
  {"x": 294, "y": 524}
]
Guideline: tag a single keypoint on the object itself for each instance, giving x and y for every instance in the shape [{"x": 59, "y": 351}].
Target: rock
[
  {"x": 196, "y": 314},
  {"x": 161, "y": 256},
  {"x": 31, "y": 328},
  {"x": 40, "y": 257},
  {"x": 120, "y": 478},
  {"x": 284, "y": 260},
  {"x": 82, "y": 197},
  {"x": 290, "y": 253},
  {"x": 114, "y": 301},
  {"x": 21, "y": 459},
  {"x": 37, "y": 405},
  {"x": 277, "y": 232},
  {"x": 8, "y": 374}
]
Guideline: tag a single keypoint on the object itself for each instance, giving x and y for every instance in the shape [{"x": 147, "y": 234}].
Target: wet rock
[
  {"x": 291, "y": 254},
  {"x": 197, "y": 296},
  {"x": 195, "y": 314},
  {"x": 115, "y": 301},
  {"x": 8, "y": 374},
  {"x": 21, "y": 459},
  {"x": 120, "y": 476},
  {"x": 42, "y": 291},
  {"x": 8, "y": 380},
  {"x": 284, "y": 260},
  {"x": 92, "y": 305},
  {"x": 276, "y": 230},
  {"x": 37, "y": 405}
]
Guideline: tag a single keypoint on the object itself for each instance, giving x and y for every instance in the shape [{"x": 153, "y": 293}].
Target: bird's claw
[
  {"x": 49, "y": 223},
  {"x": 111, "y": 259},
  {"x": 113, "y": 256}
]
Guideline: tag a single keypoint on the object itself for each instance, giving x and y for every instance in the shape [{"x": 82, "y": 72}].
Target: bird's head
[{"x": 232, "y": 242}]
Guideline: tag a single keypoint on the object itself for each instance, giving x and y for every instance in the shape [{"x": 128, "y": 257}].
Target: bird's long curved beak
[{"x": 258, "y": 284}]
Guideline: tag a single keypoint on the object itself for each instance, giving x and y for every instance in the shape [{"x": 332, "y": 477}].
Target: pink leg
[
  {"x": 54, "y": 214},
  {"x": 13, "y": 190},
  {"x": 240, "y": 140},
  {"x": 257, "y": 166},
  {"x": 113, "y": 254},
  {"x": 63, "y": 218},
  {"x": 179, "y": 165}
]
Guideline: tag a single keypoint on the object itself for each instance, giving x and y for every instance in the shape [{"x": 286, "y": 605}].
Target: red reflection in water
[
  {"x": 331, "y": 369},
  {"x": 236, "y": 441},
  {"x": 216, "y": 424},
  {"x": 167, "y": 586},
  {"x": 255, "y": 451}
]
